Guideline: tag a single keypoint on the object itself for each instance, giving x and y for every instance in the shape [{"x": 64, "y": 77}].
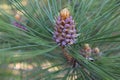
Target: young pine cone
[
  {"x": 19, "y": 25},
  {"x": 65, "y": 32}
]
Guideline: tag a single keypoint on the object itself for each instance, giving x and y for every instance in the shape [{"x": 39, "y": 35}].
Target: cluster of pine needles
[{"x": 59, "y": 40}]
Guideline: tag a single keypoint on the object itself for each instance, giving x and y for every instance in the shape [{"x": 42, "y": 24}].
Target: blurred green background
[{"x": 25, "y": 68}]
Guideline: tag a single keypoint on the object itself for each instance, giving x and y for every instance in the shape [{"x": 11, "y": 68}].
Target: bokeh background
[{"x": 32, "y": 67}]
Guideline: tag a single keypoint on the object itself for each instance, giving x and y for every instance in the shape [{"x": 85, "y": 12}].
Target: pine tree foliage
[{"x": 40, "y": 58}]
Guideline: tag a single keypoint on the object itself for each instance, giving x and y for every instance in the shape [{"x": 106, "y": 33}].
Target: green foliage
[{"x": 97, "y": 23}]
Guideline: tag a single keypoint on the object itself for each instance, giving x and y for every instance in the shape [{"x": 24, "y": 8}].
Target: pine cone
[
  {"x": 19, "y": 25},
  {"x": 65, "y": 32}
]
